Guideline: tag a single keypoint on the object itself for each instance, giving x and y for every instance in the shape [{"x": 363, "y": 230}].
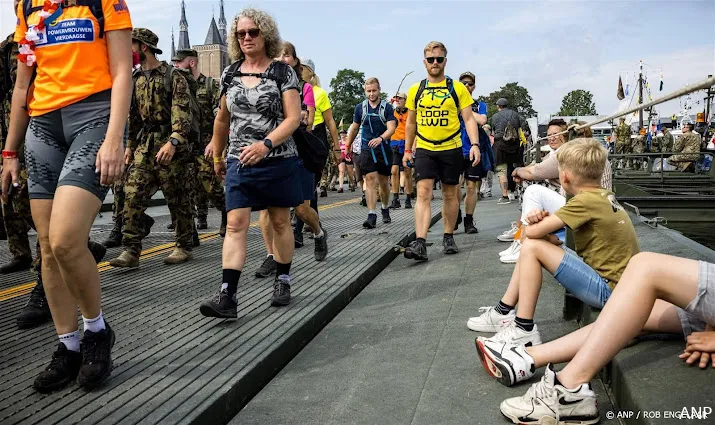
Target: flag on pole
[{"x": 620, "y": 94}]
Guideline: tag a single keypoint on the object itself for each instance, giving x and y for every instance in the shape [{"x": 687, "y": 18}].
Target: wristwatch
[
  {"x": 174, "y": 142},
  {"x": 268, "y": 143}
]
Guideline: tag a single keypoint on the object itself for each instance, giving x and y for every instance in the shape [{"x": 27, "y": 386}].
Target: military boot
[
  {"x": 125, "y": 259},
  {"x": 178, "y": 256},
  {"x": 17, "y": 264},
  {"x": 36, "y": 312},
  {"x": 224, "y": 222},
  {"x": 114, "y": 239},
  {"x": 148, "y": 223},
  {"x": 195, "y": 241},
  {"x": 201, "y": 223},
  {"x": 98, "y": 250}
]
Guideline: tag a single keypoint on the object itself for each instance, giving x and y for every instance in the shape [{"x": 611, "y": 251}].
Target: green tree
[
  {"x": 578, "y": 103},
  {"x": 517, "y": 96},
  {"x": 347, "y": 89}
]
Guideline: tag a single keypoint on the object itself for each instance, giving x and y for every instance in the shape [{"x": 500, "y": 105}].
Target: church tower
[
  {"x": 222, "y": 24},
  {"x": 183, "y": 29},
  {"x": 173, "y": 49}
]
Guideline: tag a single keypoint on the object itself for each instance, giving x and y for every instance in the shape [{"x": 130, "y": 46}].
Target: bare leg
[
  {"x": 385, "y": 189},
  {"x": 663, "y": 318},
  {"x": 470, "y": 203},
  {"x": 395, "y": 179},
  {"x": 648, "y": 277},
  {"x": 504, "y": 183},
  {"x": 308, "y": 215},
  {"x": 68, "y": 233},
  {"x": 535, "y": 253},
  {"x": 341, "y": 175},
  {"x": 371, "y": 190},
  {"x": 266, "y": 230},
  {"x": 423, "y": 209},
  {"x": 511, "y": 296},
  {"x": 407, "y": 174},
  {"x": 234, "y": 245},
  {"x": 283, "y": 236},
  {"x": 450, "y": 206},
  {"x": 62, "y": 304}
]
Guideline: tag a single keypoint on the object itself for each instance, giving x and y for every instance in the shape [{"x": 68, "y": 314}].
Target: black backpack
[
  {"x": 311, "y": 149},
  {"x": 450, "y": 88}
]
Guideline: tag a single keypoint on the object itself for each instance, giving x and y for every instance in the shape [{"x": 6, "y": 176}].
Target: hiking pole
[
  {"x": 403, "y": 80},
  {"x": 707, "y": 83}
]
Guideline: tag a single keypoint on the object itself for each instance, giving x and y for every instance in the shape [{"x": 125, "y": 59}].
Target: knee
[
  {"x": 644, "y": 262},
  {"x": 281, "y": 222},
  {"x": 237, "y": 224},
  {"x": 530, "y": 246},
  {"x": 65, "y": 248}
]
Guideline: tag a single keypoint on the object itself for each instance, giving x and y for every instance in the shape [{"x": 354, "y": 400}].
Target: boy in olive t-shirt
[{"x": 605, "y": 240}]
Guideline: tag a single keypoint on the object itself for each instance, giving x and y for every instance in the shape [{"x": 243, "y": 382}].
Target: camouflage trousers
[
  {"x": 18, "y": 221},
  {"x": 330, "y": 172},
  {"x": 142, "y": 183},
  {"x": 119, "y": 197},
  {"x": 206, "y": 186}
]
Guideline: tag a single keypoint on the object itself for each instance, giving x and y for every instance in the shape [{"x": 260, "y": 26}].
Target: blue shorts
[
  {"x": 399, "y": 145},
  {"x": 272, "y": 183},
  {"x": 307, "y": 184},
  {"x": 581, "y": 280}
]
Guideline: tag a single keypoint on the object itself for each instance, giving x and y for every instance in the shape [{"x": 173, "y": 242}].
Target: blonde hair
[
  {"x": 311, "y": 79},
  {"x": 269, "y": 31},
  {"x": 435, "y": 45},
  {"x": 372, "y": 80},
  {"x": 585, "y": 158}
]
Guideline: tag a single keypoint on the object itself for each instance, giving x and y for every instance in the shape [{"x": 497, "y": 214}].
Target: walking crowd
[{"x": 259, "y": 139}]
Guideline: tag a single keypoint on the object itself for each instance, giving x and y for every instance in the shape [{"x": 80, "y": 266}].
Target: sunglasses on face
[
  {"x": 439, "y": 59},
  {"x": 253, "y": 32},
  {"x": 467, "y": 83}
]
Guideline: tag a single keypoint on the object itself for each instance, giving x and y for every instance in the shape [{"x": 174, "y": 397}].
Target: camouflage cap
[
  {"x": 185, "y": 53},
  {"x": 147, "y": 37},
  {"x": 469, "y": 75}
]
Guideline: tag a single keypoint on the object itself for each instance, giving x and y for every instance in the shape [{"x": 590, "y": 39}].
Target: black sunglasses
[
  {"x": 253, "y": 32},
  {"x": 467, "y": 83},
  {"x": 439, "y": 59}
]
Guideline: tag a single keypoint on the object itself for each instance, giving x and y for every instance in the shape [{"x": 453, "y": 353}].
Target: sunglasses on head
[
  {"x": 253, "y": 32},
  {"x": 439, "y": 59}
]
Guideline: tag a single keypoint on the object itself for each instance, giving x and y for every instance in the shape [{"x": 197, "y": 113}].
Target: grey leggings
[{"x": 62, "y": 145}]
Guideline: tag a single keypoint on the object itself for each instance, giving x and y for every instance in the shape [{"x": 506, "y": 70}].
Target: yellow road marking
[{"x": 25, "y": 288}]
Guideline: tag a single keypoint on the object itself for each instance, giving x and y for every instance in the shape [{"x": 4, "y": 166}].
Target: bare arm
[
  {"x": 473, "y": 132},
  {"x": 311, "y": 118},
  {"x": 119, "y": 45},
  {"x": 410, "y": 130},
  {"x": 391, "y": 127},
  {"x": 222, "y": 125},
  {"x": 330, "y": 122},
  {"x": 352, "y": 133},
  {"x": 546, "y": 226},
  {"x": 291, "y": 108},
  {"x": 480, "y": 118},
  {"x": 19, "y": 118}
]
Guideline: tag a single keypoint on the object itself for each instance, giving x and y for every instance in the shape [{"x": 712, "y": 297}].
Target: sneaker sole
[
  {"x": 29, "y": 324},
  {"x": 494, "y": 367},
  {"x": 474, "y": 328},
  {"x": 90, "y": 385},
  {"x": 367, "y": 225},
  {"x": 280, "y": 302},
  {"x": 547, "y": 420},
  {"x": 263, "y": 275},
  {"x": 451, "y": 251},
  {"x": 209, "y": 311},
  {"x": 510, "y": 261},
  {"x": 501, "y": 238},
  {"x": 412, "y": 256},
  {"x": 54, "y": 387}
]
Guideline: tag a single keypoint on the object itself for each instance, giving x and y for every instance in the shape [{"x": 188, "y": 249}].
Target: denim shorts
[
  {"x": 581, "y": 280},
  {"x": 272, "y": 182}
]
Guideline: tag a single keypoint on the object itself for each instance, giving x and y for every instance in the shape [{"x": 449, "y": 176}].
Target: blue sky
[{"x": 548, "y": 47}]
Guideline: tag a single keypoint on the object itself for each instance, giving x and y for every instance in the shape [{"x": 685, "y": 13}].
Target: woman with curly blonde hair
[{"x": 259, "y": 111}]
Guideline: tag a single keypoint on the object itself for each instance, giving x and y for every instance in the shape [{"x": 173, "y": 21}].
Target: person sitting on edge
[
  {"x": 604, "y": 240},
  {"x": 657, "y": 293}
]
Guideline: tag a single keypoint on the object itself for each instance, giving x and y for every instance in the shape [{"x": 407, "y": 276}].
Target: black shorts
[
  {"x": 472, "y": 173},
  {"x": 377, "y": 160},
  {"x": 397, "y": 157},
  {"x": 346, "y": 162},
  {"x": 445, "y": 166}
]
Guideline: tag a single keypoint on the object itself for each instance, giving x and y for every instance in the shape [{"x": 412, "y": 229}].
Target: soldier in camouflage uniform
[
  {"x": 159, "y": 141},
  {"x": 666, "y": 142},
  {"x": 16, "y": 213},
  {"x": 623, "y": 138},
  {"x": 206, "y": 185},
  {"x": 688, "y": 146}
]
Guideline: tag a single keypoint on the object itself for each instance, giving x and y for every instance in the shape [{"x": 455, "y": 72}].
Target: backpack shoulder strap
[
  {"x": 383, "y": 108},
  {"x": 95, "y": 6},
  {"x": 28, "y": 9},
  {"x": 420, "y": 90},
  {"x": 364, "y": 112},
  {"x": 231, "y": 72},
  {"x": 169, "y": 84},
  {"x": 278, "y": 73},
  {"x": 453, "y": 92},
  {"x": 209, "y": 84}
]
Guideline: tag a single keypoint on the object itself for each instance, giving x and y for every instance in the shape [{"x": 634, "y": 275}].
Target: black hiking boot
[
  {"x": 201, "y": 223},
  {"x": 62, "y": 370},
  {"x": 395, "y": 203},
  {"x": 408, "y": 203},
  {"x": 268, "y": 267},
  {"x": 148, "y": 223},
  {"x": 195, "y": 241},
  {"x": 220, "y": 305},
  {"x": 36, "y": 312},
  {"x": 417, "y": 250},
  {"x": 450, "y": 246},
  {"x": 96, "y": 357},
  {"x": 114, "y": 239},
  {"x": 386, "y": 216},
  {"x": 17, "y": 264},
  {"x": 281, "y": 292},
  {"x": 469, "y": 227},
  {"x": 321, "y": 246},
  {"x": 371, "y": 221},
  {"x": 97, "y": 250},
  {"x": 459, "y": 220}
]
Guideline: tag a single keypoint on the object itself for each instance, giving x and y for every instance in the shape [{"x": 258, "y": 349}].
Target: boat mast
[{"x": 640, "y": 95}]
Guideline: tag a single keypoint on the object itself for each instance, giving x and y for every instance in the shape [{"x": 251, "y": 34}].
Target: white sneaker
[
  {"x": 550, "y": 403},
  {"x": 513, "y": 256},
  {"x": 516, "y": 336},
  {"x": 508, "y": 235},
  {"x": 516, "y": 245},
  {"x": 507, "y": 363},
  {"x": 490, "y": 320}
]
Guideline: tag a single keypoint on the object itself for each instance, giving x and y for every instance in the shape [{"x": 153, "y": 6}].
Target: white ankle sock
[
  {"x": 371, "y": 212},
  {"x": 71, "y": 341},
  {"x": 385, "y": 206},
  {"x": 270, "y": 256},
  {"x": 319, "y": 235},
  {"x": 94, "y": 325}
]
